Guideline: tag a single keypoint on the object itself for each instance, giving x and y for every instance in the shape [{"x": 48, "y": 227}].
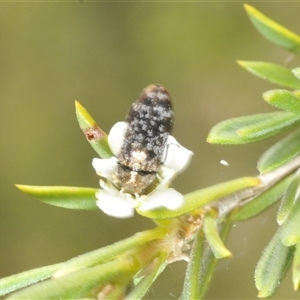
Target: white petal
[
  {"x": 168, "y": 198},
  {"x": 105, "y": 167},
  {"x": 166, "y": 175},
  {"x": 175, "y": 156},
  {"x": 116, "y": 137},
  {"x": 113, "y": 204}
]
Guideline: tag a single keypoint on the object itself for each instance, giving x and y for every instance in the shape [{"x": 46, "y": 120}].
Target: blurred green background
[{"x": 104, "y": 54}]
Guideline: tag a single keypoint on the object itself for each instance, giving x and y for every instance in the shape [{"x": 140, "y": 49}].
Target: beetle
[{"x": 149, "y": 123}]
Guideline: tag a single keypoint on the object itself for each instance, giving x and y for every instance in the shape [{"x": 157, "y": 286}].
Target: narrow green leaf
[
  {"x": 280, "y": 153},
  {"x": 201, "y": 266},
  {"x": 212, "y": 236},
  {"x": 262, "y": 202},
  {"x": 272, "y": 72},
  {"x": 252, "y": 128},
  {"x": 108, "y": 253},
  {"x": 290, "y": 229},
  {"x": 191, "y": 286},
  {"x": 296, "y": 72},
  {"x": 93, "y": 133},
  {"x": 296, "y": 268},
  {"x": 273, "y": 31},
  {"x": 63, "y": 196},
  {"x": 17, "y": 281},
  {"x": 197, "y": 199},
  {"x": 272, "y": 266},
  {"x": 76, "y": 285},
  {"x": 288, "y": 200},
  {"x": 283, "y": 99},
  {"x": 152, "y": 272}
]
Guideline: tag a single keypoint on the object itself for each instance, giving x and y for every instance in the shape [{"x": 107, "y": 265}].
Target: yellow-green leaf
[
  {"x": 252, "y": 128},
  {"x": 290, "y": 229},
  {"x": 197, "y": 199},
  {"x": 93, "y": 133},
  {"x": 288, "y": 199},
  {"x": 194, "y": 272},
  {"x": 272, "y": 266},
  {"x": 283, "y": 99},
  {"x": 201, "y": 265},
  {"x": 212, "y": 236},
  {"x": 75, "y": 285},
  {"x": 296, "y": 268},
  {"x": 17, "y": 281},
  {"x": 280, "y": 153},
  {"x": 152, "y": 271},
  {"x": 273, "y": 31},
  {"x": 296, "y": 72},
  {"x": 272, "y": 72},
  {"x": 110, "y": 252},
  {"x": 63, "y": 196}
]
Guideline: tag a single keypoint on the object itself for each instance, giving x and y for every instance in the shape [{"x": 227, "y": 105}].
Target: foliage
[{"x": 206, "y": 214}]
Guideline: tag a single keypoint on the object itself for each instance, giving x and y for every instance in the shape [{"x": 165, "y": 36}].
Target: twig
[{"x": 240, "y": 198}]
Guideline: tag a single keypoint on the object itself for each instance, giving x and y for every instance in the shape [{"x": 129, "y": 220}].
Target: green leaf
[
  {"x": 93, "y": 133},
  {"x": 17, "y": 281},
  {"x": 197, "y": 199},
  {"x": 272, "y": 266},
  {"x": 76, "y": 285},
  {"x": 296, "y": 268},
  {"x": 108, "y": 253},
  {"x": 201, "y": 265},
  {"x": 290, "y": 229},
  {"x": 212, "y": 236},
  {"x": 262, "y": 202},
  {"x": 283, "y": 99},
  {"x": 87, "y": 260},
  {"x": 191, "y": 287},
  {"x": 288, "y": 200},
  {"x": 251, "y": 128},
  {"x": 63, "y": 196},
  {"x": 152, "y": 272},
  {"x": 296, "y": 72},
  {"x": 280, "y": 153},
  {"x": 272, "y": 72},
  {"x": 273, "y": 31}
]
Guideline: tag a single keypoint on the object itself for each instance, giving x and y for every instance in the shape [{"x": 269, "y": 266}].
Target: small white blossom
[{"x": 115, "y": 202}]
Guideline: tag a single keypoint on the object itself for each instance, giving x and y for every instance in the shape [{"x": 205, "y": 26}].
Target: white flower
[{"x": 115, "y": 202}]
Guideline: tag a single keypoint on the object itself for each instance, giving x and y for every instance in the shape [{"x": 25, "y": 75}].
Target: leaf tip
[
  {"x": 21, "y": 187},
  {"x": 296, "y": 284},
  {"x": 226, "y": 253},
  {"x": 264, "y": 292},
  {"x": 209, "y": 139},
  {"x": 78, "y": 106},
  {"x": 261, "y": 295},
  {"x": 248, "y": 8},
  {"x": 267, "y": 95},
  {"x": 242, "y": 63}
]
